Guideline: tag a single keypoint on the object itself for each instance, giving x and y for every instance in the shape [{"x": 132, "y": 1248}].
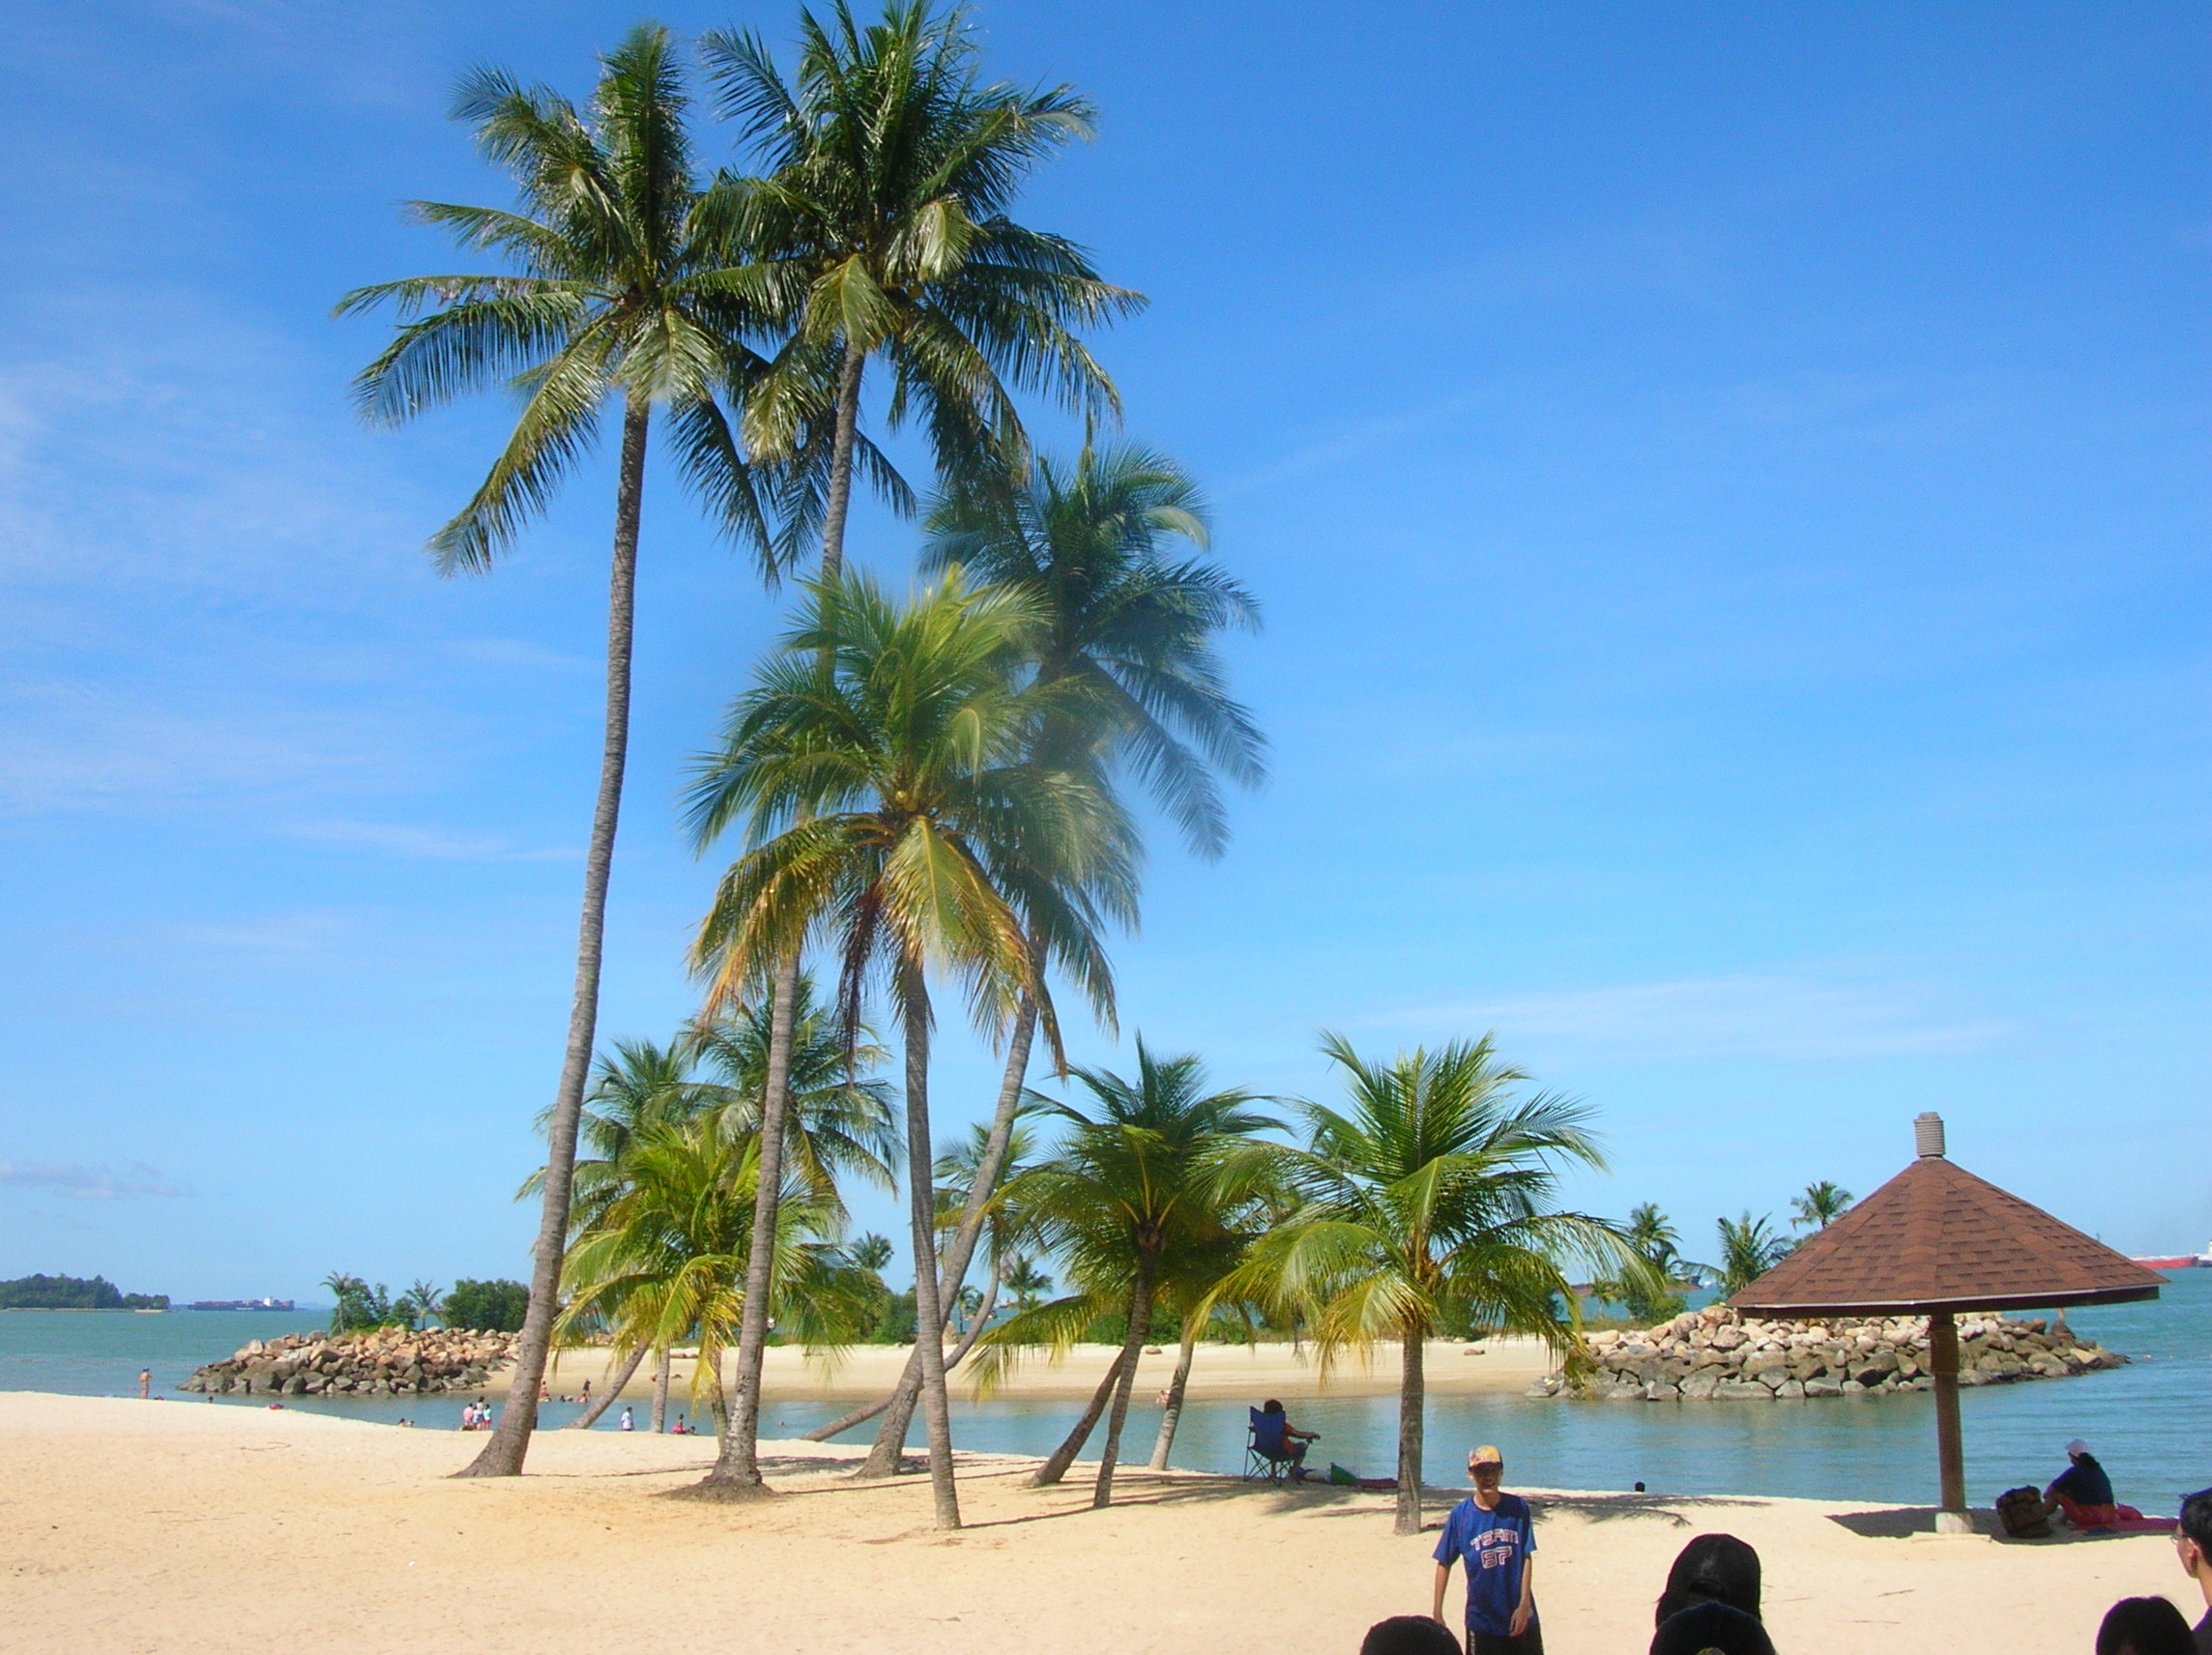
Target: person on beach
[
  {"x": 627, "y": 1423},
  {"x": 145, "y": 1383},
  {"x": 2081, "y": 1494},
  {"x": 1493, "y": 1535},
  {"x": 2144, "y": 1626},
  {"x": 1712, "y": 1629},
  {"x": 1713, "y": 1568},
  {"x": 2193, "y": 1542},
  {"x": 1407, "y": 1635},
  {"x": 1295, "y": 1440}
]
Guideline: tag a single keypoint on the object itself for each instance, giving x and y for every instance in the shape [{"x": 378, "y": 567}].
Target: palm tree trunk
[
  {"x": 890, "y": 1439},
  {"x": 660, "y": 1392},
  {"x": 606, "y": 1399},
  {"x": 844, "y": 438},
  {"x": 861, "y": 1415},
  {"x": 708, "y": 1370},
  {"x": 1171, "y": 1416},
  {"x": 503, "y": 1455},
  {"x": 1056, "y": 1465},
  {"x": 1133, "y": 1346},
  {"x": 921, "y": 1199},
  {"x": 737, "y": 1465},
  {"x": 1412, "y": 1399},
  {"x": 736, "y": 1460}
]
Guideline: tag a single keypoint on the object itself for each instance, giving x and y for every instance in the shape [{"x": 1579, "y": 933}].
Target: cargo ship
[{"x": 2179, "y": 1262}]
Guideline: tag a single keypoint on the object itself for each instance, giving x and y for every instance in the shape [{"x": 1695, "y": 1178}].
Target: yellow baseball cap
[{"x": 1486, "y": 1455}]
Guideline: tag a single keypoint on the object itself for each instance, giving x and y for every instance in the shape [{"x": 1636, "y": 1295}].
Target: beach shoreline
[
  {"x": 169, "y": 1526},
  {"x": 864, "y": 1372}
]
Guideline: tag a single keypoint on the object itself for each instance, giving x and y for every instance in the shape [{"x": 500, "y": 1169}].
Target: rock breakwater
[
  {"x": 1717, "y": 1355},
  {"x": 384, "y": 1363}
]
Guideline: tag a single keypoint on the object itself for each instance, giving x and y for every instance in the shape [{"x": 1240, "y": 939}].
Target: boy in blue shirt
[{"x": 1492, "y": 1534}]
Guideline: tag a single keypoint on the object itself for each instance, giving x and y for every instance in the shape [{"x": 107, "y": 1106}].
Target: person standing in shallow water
[{"x": 1492, "y": 1536}]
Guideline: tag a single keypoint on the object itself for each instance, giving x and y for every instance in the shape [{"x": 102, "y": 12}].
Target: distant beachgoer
[
  {"x": 627, "y": 1423},
  {"x": 145, "y": 1382},
  {"x": 2081, "y": 1493},
  {"x": 2144, "y": 1626},
  {"x": 1713, "y": 1568},
  {"x": 1407, "y": 1635},
  {"x": 1712, "y": 1629},
  {"x": 2193, "y": 1540},
  {"x": 1492, "y": 1534}
]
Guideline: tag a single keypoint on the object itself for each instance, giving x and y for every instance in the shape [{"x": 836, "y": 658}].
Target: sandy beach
[
  {"x": 1252, "y": 1371},
  {"x": 177, "y": 1526}
]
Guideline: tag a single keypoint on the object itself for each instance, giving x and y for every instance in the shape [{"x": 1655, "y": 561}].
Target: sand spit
[{"x": 181, "y": 1525}]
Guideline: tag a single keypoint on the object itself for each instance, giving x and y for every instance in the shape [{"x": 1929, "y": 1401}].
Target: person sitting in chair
[{"x": 1277, "y": 1439}]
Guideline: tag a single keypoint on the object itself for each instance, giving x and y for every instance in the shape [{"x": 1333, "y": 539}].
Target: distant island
[{"x": 73, "y": 1293}]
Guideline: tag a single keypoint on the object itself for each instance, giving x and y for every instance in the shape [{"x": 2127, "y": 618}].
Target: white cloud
[
  {"x": 1743, "y": 1016},
  {"x": 89, "y": 1183}
]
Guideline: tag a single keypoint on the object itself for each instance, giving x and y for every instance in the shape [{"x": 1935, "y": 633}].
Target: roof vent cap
[{"x": 1927, "y": 1135}]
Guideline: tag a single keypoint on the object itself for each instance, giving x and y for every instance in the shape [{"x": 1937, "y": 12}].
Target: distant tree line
[
  {"x": 493, "y": 1307},
  {"x": 74, "y": 1293}
]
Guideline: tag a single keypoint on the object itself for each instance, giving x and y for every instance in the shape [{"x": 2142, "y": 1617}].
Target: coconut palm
[
  {"x": 1645, "y": 1291},
  {"x": 877, "y": 231},
  {"x": 1820, "y": 1205},
  {"x": 1749, "y": 1247},
  {"x": 663, "y": 1262},
  {"x": 615, "y": 295},
  {"x": 1027, "y": 1283},
  {"x": 837, "y": 1125},
  {"x": 1430, "y": 1202},
  {"x": 1130, "y": 615},
  {"x": 1134, "y": 1187},
  {"x": 881, "y": 764}
]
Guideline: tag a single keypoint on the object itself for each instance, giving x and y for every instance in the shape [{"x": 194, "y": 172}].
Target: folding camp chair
[{"x": 1267, "y": 1456}]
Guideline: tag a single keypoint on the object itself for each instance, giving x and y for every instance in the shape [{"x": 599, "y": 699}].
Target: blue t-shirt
[{"x": 1493, "y": 1545}]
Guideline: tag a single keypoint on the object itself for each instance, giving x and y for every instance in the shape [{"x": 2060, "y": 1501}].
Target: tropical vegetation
[
  {"x": 1430, "y": 1200},
  {"x": 1749, "y": 1247}
]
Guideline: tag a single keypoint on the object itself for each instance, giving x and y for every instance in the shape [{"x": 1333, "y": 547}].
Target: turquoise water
[{"x": 2150, "y": 1422}]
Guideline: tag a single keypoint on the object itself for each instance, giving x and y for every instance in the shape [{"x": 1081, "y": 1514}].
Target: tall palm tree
[
  {"x": 1749, "y": 1247},
  {"x": 881, "y": 764},
  {"x": 1027, "y": 1283},
  {"x": 1431, "y": 1200},
  {"x": 1820, "y": 1205},
  {"x": 1104, "y": 546},
  {"x": 1135, "y": 1185},
  {"x": 878, "y": 232},
  {"x": 617, "y": 293}
]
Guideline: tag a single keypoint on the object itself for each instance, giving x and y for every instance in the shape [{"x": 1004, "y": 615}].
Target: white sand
[
  {"x": 181, "y": 1525},
  {"x": 1250, "y": 1371}
]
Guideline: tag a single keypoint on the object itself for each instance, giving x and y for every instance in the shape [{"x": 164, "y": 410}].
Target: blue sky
[{"x": 1728, "y": 487}]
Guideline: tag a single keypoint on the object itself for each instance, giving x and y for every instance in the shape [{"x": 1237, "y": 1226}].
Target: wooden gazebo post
[{"x": 1932, "y": 1241}]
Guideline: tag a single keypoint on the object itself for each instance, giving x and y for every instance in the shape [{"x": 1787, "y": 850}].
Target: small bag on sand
[{"x": 2020, "y": 1511}]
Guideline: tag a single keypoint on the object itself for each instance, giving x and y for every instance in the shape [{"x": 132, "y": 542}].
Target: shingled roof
[{"x": 1936, "y": 1237}]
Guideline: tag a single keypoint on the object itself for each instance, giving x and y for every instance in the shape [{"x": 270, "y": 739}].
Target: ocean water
[{"x": 2150, "y": 1422}]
